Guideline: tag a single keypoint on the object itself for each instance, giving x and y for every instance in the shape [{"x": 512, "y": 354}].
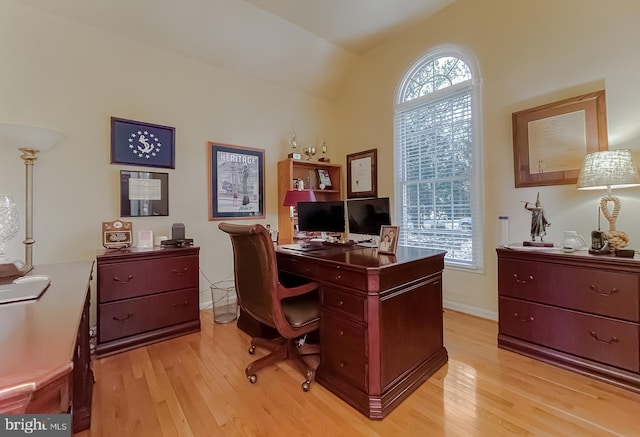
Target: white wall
[
  {"x": 72, "y": 78},
  {"x": 529, "y": 53}
]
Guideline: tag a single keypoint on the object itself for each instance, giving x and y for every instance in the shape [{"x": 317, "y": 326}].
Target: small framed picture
[
  {"x": 388, "y": 239},
  {"x": 323, "y": 175}
]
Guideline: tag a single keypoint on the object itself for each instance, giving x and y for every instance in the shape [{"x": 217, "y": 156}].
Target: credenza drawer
[
  {"x": 598, "y": 291},
  {"x": 349, "y": 304},
  {"x": 602, "y": 339},
  {"x": 344, "y": 350},
  {"x": 133, "y": 316},
  {"x": 139, "y": 278}
]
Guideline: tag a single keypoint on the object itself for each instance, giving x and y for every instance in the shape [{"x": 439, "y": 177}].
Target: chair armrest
[{"x": 284, "y": 292}]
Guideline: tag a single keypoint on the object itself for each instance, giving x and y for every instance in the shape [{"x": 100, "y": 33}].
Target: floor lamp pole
[{"x": 29, "y": 157}]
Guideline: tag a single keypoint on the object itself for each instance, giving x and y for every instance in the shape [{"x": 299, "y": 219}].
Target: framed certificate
[{"x": 362, "y": 174}]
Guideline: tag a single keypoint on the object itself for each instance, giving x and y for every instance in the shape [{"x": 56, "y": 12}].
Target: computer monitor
[
  {"x": 367, "y": 216},
  {"x": 321, "y": 216}
]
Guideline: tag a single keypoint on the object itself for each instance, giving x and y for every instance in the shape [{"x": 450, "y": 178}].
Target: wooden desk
[
  {"x": 381, "y": 328},
  {"x": 45, "y": 365}
]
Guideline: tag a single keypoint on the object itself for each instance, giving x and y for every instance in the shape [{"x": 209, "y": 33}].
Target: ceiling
[{"x": 301, "y": 44}]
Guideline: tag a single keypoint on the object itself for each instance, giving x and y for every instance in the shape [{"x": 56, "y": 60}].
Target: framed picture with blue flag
[{"x": 144, "y": 144}]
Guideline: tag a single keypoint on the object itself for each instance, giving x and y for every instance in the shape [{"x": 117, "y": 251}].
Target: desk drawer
[
  {"x": 337, "y": 300},
  {"x": 344, "y": 277},
  {"x": 343, "y": 349},
  {"x": 139, "y": 278},
  {"x": 602, "y": 339},
  {"x": 133, "y": 316},
  {"x": 301, "y": 267},
  {"x": 608, "y": 293}
]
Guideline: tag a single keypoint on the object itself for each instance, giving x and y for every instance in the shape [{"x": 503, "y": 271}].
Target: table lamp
[
  {"x": 609, "y": 169},
  {"x": 29, "y": 140},
  {"x": 292, "y": 198}
]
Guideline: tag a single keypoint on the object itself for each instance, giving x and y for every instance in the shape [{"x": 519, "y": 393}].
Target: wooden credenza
[
  {"x": 575, "y": 310},
  {"x": 381, "y": 330},
  {"x": 145, "y": 296},
  {"x": 45, "y": 366}
]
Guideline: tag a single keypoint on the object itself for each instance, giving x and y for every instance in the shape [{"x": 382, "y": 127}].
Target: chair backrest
[{"x": 255, "y": 270}]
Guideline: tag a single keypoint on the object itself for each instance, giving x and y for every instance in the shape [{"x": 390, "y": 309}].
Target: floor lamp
[{"x": 30, "y": 140}]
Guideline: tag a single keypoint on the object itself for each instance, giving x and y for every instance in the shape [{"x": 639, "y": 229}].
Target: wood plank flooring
[{"x": 195, "y": 386}]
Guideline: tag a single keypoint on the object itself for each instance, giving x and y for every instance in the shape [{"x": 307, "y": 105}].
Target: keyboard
[{"x": 301, "y": 248}]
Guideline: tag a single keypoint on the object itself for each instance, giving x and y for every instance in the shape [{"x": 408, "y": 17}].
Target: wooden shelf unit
[{"x": 307, "y": 171}]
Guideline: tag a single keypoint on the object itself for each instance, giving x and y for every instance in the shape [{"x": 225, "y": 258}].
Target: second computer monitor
[
  {"x": 367, "y": 216},
  {"x": 321, "y": 216}
]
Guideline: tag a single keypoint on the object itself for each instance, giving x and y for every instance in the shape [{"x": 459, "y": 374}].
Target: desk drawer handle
[
  {"x": 180, "y": 272},
  {"x": 179, "y": 305},
  {"x": 340, "y": 303},
  {"x": 525, "y": 319},
  {"x": 342, "y": 364},
  {"x": 596, "y": 290},
  {"x": 341, "y": 333},
  {"x": 613, "y": 339},
  {"x": 522, "y": 281},
  {"x": 338, "y": 277},
  {"x": 117, "y": 279},
  {"x": 117, "y": 319}
]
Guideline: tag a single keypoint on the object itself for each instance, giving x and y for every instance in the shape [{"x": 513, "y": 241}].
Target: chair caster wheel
[
  {"x": 253, "y": 378},
  {"x": 252, "y": 350},
  {"x": 306, "y": 385}
]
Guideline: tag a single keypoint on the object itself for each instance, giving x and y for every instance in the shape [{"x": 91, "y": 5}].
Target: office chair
[{"x": 292, "y": 311}]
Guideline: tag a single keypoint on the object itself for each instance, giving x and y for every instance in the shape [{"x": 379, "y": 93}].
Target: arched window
[{"x": 437, "y": 155}]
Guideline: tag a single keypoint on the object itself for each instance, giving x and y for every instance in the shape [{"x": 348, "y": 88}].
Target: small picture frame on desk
[{"x": 389, "y": 239}]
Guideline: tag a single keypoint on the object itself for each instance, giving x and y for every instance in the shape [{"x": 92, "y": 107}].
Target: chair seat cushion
[{"x": 301, "y": 310}]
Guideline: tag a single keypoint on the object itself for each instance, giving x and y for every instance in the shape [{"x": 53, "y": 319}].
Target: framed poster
[
  {"x": 144, "y": 194},
  {"x": 236, "y": 182},
  {"x": 362, "y": 174},
  {"x": 144, "y": 144},
  {"x": 550, "y": 141}
]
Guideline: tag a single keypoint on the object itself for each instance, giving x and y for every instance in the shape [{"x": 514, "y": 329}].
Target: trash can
[{"x": 225, "y": 303}]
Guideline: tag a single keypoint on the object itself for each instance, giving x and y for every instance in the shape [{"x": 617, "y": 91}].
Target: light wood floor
[{"x": 195, "y": 386}]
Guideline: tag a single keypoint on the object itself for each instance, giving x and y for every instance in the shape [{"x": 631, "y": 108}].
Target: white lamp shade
[
  {"x": 608, "y": 169},
  {"x": 28, "y": 137}
]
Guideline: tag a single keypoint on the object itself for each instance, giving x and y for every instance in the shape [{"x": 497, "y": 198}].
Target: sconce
[{"x": 29, "y": 140}]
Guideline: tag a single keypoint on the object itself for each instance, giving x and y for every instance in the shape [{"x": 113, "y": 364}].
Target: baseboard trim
[{"x": 467, "y": 309}]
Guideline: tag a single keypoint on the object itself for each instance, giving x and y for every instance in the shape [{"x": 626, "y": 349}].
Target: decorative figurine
[
  {"x": 310, "y": 152},
  {"x": 293, "y": 142},
  {"x": 324, "y": 150},
  {"x": 539, "y": 224}
]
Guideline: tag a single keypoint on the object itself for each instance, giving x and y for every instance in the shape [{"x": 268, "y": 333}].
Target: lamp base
[{"x": 13, "y": 268}]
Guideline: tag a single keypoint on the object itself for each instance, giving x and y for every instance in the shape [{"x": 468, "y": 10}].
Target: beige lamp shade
[{"x": 608, "y": 169}]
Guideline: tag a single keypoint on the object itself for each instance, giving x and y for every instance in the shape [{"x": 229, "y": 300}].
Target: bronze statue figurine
[{"x": 539, "y": 221}]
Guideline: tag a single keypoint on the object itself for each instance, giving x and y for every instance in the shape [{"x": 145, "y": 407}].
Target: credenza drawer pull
[
  {"x": 117, "y": 279},
  {"x": 179, "y": 305},
  {"x": 522, "y": 281},
  {"x": 596, "y": 290},
  {"x": 525, "y": 319},
  {"x": 118, "y": 319},
  {"x": 180, "y": 272},
  {"x": 613, "y": 339}
]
